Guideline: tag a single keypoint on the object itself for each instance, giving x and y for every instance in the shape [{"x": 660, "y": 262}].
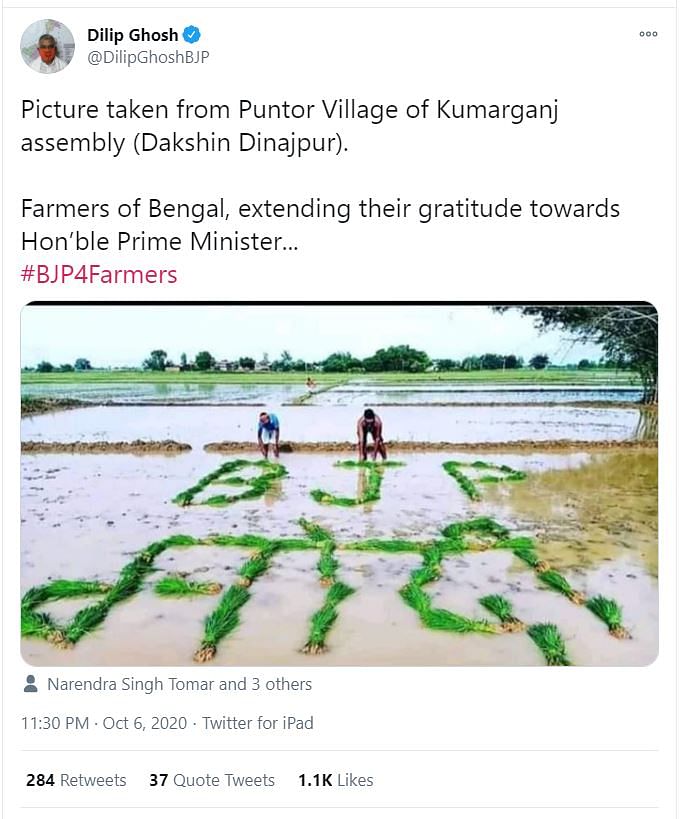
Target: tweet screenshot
[{"x": 339, "y": 410}]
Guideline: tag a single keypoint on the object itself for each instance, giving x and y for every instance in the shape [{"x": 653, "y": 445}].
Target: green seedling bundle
[
  {"x": 546, "y": 636},
  {"x": 322, "y": 620},
  {"x": 371, "y": 492},
  {"x": 610, "y": 613},
  {"x": 558, "y": 582},
  {"x": 221, "y": 622},
  {"x": 549, "y": 641},
  {"x": 178, "y": 586},
  {"x": 502, "y": 608},
  {"x": 257, "y": 486},
  {"x": 40, "y": 624},
  {"x": 418, "y": 599},
  {"x": 469, "y": 485}
]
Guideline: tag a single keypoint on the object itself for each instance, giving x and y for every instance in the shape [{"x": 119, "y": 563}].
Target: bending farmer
[
  {"x": 370, "y": 424},
  {"x": 268, "y": 431}
]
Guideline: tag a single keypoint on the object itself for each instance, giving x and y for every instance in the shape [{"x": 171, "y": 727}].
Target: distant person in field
[
  {"x": 268, "y": 430},
  {"x": 48, "y": 60},
  {"x": 370, "y": 424},
  {"x": 311, "y": 383}
]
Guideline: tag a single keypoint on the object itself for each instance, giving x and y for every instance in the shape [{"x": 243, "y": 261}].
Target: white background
[{"x": 584, "y": 740}]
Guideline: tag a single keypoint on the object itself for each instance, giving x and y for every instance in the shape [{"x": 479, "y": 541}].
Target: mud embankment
[
  {"x": 515, "y": 404},
  {"x": 226, "y": 447},
  {"x": 40, "y": 406},
  {"x": 137, "y": 447}
]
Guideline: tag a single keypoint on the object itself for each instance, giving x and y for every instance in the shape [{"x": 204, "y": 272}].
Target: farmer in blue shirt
[{"x": 268, "y": 431}]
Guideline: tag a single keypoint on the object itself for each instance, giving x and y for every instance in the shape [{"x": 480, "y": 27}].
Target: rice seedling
[
  {"x": 36, "y": 624},
  {"x": 468, "y": 485},
  {"x": 327, "y": 565},
  {"x": 322, "y": 620},
  {"x": 415, "y": 597},
  {"x": 320, "y": 624},
  {"x": 454, "y": 531},
  {"x": 610, "y": 613},
  {"x": 41, "y": 624},
  {"x": 34, "y": 597},
  {"x": 253, "y": 568},
  {"x": 225, "y": 618},
  {"x": 368, "y": 464},
  {"x": 451, "y": 546},
  {"x": 270, "y": 472},
  {"x": 425, "y": 575},
  {"x": 180, "y": 540},
  {"x": 513, "y": 543},
  {"x": 432, "y": 558},
  {"x": 499, "y": 606},
  {"x": 314, "y": 531},
  {"x": 325, "y": 497},
  {"x": 63, "y": 589},
  {"x": 481, "y": 526},
  {"x": 443, "y": 620},
  {"x": 220, "y": 622},
  {"x": 293, "y": 544},
  {"x": 176, "y": 586},
  {"x": 338, "y": 592},
  {"x": 507, "y": 473},
  {"x": 484, "y": 526},
  {"x": 440, "y": 619},
  {"x": 247, "y": 541},
  {"x": 558, "y": 582},
  {"x": 527, "y": 555},
  {"x": 502, "y": 608},
  {"x": 370, "y": 493},
  {"x": 549, "y": 640},
  {"x": 86, "y": 621},
  {"x": 374, "y": 545}
]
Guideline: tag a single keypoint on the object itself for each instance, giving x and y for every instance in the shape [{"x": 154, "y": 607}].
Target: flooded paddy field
[
  {"x": 347, "y": 391},
  {"x": 197, "y": 426},
  {"x": 451, "y": 394},
  {"x": 133, "y": 392},
  {"x": 591, "y": 516}
]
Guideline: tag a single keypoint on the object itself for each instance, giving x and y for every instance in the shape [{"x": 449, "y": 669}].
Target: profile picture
[{"x": 47, "y": 46}]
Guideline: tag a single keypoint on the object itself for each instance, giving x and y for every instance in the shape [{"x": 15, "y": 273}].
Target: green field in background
[{"x": 527, "y": 377}]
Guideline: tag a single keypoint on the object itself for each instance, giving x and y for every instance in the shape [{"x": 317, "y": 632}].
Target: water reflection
[{"x": 600, "y": 511}]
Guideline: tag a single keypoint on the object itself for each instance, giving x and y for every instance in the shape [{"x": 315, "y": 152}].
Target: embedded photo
[{"x": 339, "y": 485}]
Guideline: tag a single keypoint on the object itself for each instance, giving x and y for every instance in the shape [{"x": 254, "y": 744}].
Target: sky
[{"x": 120, "y": 336}]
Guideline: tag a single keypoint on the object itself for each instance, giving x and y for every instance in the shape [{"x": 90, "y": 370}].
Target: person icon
[{"x": 30, "y": 687}]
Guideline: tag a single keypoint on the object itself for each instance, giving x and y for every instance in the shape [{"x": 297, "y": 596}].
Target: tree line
[
  {"x": 79, "y": 365},
  {"x": 401, "y": 358}
]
